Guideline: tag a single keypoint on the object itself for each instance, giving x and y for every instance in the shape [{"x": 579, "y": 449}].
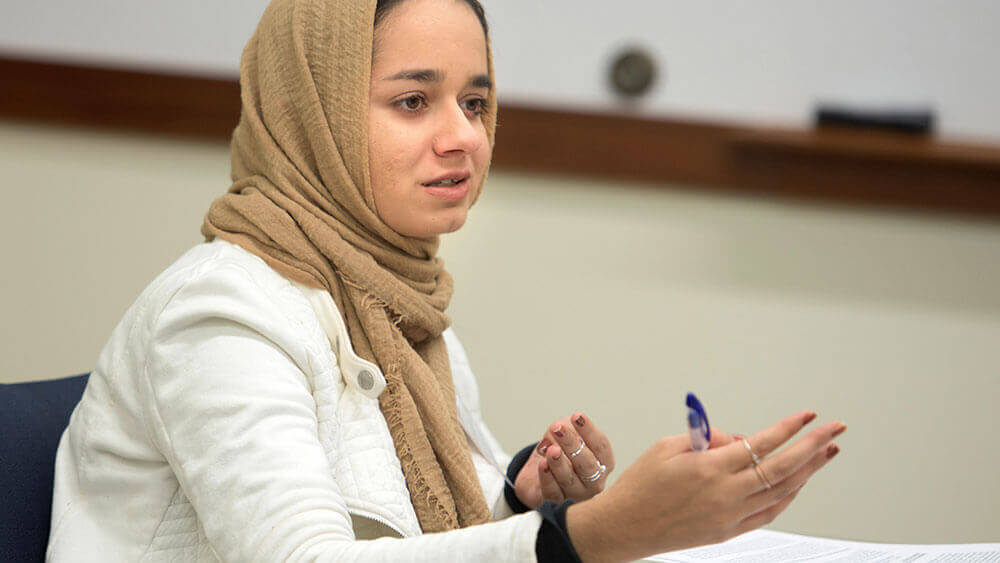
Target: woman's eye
[
  {"x": 411, "y": 103},
  {"x": 476, "y": 105}
]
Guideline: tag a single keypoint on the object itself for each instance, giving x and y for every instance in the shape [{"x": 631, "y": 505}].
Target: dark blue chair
[{"x": 33, "y": 416}]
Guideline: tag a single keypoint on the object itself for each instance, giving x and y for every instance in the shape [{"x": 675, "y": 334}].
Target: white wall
[
  {"x": 759, "y": 62},
  {"x": 615, "y": 299}
]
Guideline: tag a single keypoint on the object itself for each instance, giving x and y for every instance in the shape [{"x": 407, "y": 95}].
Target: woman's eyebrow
[
  {"x": 481, "y": 81},
  {"x": 423, "y": 75},
  {"x": 432, "y": 75}
]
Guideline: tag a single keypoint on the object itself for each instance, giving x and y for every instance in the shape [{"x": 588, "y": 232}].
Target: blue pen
[{"x": 701, "y": 433}]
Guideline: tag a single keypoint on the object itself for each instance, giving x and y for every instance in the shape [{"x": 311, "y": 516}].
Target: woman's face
[{"x": 427, "y": 146}]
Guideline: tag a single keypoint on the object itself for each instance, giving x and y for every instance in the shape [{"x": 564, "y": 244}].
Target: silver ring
[
  {"x": 578, "y": 450},
  {"x": 600, "y": 473},
  {"x": 754, "y": 458}
]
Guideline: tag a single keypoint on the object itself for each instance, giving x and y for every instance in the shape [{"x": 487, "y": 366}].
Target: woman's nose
[{"x": 456, "y": 133}]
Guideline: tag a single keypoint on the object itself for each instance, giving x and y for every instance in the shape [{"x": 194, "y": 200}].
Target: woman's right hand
[{"x": 673, "y": 498}]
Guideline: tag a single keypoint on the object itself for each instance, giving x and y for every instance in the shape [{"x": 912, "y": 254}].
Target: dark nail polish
[
  {"x": 839, "y": 431},
  {"x": 546, "y": 469},
  {"x": 558, "y": 431},
  {"x": 544, "y": 445},
  {"x": 579, "y": 420},
  {"x": 832, "y": 450},
  {"x": 809, "y": 418}
]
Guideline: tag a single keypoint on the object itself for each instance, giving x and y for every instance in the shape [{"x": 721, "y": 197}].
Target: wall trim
[{"x": 850, "y": 167}]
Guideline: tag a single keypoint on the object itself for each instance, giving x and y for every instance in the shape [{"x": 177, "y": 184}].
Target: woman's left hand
[{"x": 565, "y": 463}]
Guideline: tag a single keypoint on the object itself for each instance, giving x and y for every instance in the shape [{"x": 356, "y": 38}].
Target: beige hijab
[{"x": 302, "y": 200}]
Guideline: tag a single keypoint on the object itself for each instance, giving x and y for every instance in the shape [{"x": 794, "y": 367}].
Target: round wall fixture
[{"x": 632, "y": 73}]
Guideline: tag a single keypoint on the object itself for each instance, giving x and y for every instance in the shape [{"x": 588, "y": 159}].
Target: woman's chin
[
  {"x": 449, "y": 225},
  {"x": 440, "y": 224},
  {"x": 455, "y": 223}
]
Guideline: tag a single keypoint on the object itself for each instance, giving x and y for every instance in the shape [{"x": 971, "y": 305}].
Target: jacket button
[{"x": 366, "y": 380}]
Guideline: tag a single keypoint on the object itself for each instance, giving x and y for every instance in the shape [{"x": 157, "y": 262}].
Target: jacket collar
[{"x": 364, "y": 376}]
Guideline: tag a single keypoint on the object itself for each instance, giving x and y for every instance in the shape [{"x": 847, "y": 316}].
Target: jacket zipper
[{"x": 378, "y": 519}]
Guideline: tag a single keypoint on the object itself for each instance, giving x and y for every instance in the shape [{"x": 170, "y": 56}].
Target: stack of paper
[{"x": 765, "y": 546}]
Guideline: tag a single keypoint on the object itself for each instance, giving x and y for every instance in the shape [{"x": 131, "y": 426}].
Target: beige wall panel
[{"x": 611, "y": 299}]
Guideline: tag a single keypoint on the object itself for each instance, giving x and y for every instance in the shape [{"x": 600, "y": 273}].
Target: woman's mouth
[
  {"x": 444, "y": 183},
  {"x": 449, "y": 189}
]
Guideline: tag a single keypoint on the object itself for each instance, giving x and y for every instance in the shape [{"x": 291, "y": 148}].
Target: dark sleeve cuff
[
  {"x": 513, "y": 468},
  {"x": 553, "y": 544}
]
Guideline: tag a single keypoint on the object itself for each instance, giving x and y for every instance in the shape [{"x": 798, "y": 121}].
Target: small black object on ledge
[{"x": 910, "y": 121}]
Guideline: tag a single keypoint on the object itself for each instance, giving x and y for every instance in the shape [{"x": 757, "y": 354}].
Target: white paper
[{"x": 767, "y": 546}]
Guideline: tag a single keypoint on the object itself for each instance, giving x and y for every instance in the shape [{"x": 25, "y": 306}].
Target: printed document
[{"x": 766, "y": 546}]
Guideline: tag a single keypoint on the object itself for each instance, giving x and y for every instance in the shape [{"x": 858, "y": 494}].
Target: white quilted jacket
[{"x": 228, "y": 419}]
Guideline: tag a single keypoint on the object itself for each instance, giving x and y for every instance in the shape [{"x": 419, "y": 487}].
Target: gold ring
[
  {"x": 761, "y": 476},
  {"x": 754, "y": 458}
]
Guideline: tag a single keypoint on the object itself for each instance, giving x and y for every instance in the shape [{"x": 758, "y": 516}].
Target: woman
[{"x": 291, "y": 387}]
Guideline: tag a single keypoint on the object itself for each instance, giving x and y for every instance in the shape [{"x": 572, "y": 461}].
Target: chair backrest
[{"x": 33, "y": 416}]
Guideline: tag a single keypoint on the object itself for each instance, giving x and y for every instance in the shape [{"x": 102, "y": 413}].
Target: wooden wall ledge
[
  {"x": 871, "y": 168},
  {"x": 872, "y": 145},
  {"x": 875, "y": 168}
]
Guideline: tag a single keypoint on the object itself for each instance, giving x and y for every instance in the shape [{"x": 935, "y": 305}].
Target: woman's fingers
[
  {"x": 781, "y": 466},
  {"x": 576, "y": 441},
  {"x": 586, "y": 466},
  {"x": 547, "y": 483},
  {"x": 765, "y": 517},
  {"x": 576, "y": 445},
  {"x": 765, "y": 498},
  {"x": 562, "y": 471},
  {"x": 567, "y": 452},
  {"x": 596, "y": 440},
  {"x": 764, "y": 442},
  {"x": 720, "y": 438}
]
